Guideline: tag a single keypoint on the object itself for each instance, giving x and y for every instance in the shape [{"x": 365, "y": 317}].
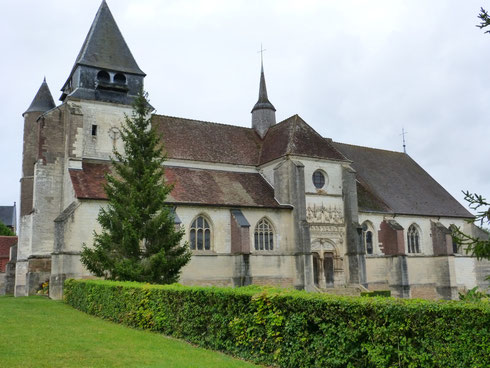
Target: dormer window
[
  {"x": 120, "y": 78},
  {"x": 103, "y": 76}
]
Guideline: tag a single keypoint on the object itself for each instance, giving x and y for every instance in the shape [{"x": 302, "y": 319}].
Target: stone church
[{"x": 274, "y": 204}]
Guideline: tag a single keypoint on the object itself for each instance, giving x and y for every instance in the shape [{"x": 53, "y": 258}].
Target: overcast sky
[{"x": 356, "y": 71}]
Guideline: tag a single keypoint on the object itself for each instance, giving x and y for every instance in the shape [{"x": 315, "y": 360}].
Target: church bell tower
[{"x": 105, "y": 69}]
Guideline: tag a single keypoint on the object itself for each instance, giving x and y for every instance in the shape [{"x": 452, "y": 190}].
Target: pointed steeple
[
  {"x": 263, "y": 113},
  {"x": 104, "y": 69},
  {"x": 105, "y": 47},
  {"x": 263, "y": 102},
  {"x": 43, "y": 101}
]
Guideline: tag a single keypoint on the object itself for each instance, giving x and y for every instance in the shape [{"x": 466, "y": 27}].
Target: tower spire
[
  {"x": 43, "y": 101},
  {"x": 105, "y": 68},
  {"x": 263, "y": 112}
]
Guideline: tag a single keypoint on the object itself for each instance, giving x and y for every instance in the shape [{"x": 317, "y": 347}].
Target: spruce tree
[{"x": 138, "y": 241}]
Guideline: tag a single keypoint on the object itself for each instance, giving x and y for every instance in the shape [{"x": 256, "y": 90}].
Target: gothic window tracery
[
  {"x": 200, "y": 234},
  {"x": 413, "y": 239},
  {"x": 264, "y": 235}
]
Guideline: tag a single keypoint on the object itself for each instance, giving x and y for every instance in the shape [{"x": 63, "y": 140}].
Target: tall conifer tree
[{"x": 138, "y": 241}]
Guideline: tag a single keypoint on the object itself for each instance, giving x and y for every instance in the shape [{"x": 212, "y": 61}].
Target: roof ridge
[
  {"x": 204, "y": 121},
  {"x": 371, "y": 148},
  {"x": 218, "y": 170}
]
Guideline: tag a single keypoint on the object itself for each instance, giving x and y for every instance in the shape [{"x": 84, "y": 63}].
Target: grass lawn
[{"x": 38, "y": 332}]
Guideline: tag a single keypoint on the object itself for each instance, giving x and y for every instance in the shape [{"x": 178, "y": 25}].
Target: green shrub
[
  {"x": 384, "y": 293},
  {"x": 298, "y": 329}
]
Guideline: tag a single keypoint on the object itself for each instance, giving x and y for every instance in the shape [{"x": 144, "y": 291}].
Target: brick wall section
[
  {"x": 392, "y": 237},
  {"x": 240, "y": 237},
  {"x": 441, "y": 239},
  {"x": 5, "y": 243},
  {"x": 26, "y": 195}
]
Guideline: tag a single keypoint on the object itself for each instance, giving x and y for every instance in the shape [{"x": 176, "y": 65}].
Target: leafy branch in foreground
[
  {"x": 485, "y": 19},
  {"x": 476, "y": 246}
]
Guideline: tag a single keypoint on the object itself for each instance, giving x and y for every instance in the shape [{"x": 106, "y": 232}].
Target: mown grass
[{"x": 38, "y": 332}]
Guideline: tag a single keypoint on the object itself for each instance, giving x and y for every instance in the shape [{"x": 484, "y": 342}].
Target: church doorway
[
  {"x": 323, "y": 269},
  {"x": 328, "y": 269}
]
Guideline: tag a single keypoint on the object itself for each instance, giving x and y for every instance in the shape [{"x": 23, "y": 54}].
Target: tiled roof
[
  {"x": 192, "y": 186},
  {"x": 295, "y": 137},
  {"x": 213, "y": 187},
  {"x": 88, "y": 183},
  {"x": 393, "y": 182},
  {"x": 5, "y": 243},
  {"x": 202, "y": 141}
]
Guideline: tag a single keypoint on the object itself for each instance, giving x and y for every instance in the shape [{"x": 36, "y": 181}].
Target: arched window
[
  {"x": 264, "y": 235},
  {"x": 120, "y": 78},
  {"x": 200, "y": 234},
  {"x": 367, "y": 238},
  {"x": 103, "y": 76},
  {"x": 413, "y": 239},
  {"x": 318, "y": 179}
]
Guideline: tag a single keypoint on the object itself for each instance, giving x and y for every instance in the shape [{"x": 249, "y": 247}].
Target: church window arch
[
  {"x": 368, "y": 237},
  {"x": 103, "y": 76},
  {"x": 200, "y": 234},
  {"x": 264, "y": 235},
  {"x": 319, "y": 179},
  {"x": 413, "y": 239},
  {"x": 119, "y": 78}
]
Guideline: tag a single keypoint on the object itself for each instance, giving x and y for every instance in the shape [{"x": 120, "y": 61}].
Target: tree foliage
[
  {"x": 138, "y": 241},
  {"x": 484, "y": 20},
  {"x": 5, "y": 231},
  {"x": 476, "y": 246}
]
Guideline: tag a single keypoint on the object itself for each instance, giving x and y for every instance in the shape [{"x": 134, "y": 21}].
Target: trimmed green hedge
[
  {"x": 298, "y": 329},
  {"x": 385, "y": 293}
]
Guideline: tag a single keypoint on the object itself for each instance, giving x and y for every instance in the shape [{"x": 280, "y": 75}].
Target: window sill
[{"x": 203, "y": 253}]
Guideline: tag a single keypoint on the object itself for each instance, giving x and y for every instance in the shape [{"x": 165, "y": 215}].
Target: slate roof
[
  {"x": 192, "y": 186},
  {"x": 105, "y": 47},
  {"x": 43, "y": 101},
  {"x": 392, "y": 182},
  {"x": 7, "y": 215},
  {"x": 211, "y": 142},
  {"x": 263, "y": 101}
]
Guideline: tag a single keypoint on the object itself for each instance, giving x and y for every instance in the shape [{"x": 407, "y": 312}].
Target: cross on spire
[{"x": 261, "y": 54}]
